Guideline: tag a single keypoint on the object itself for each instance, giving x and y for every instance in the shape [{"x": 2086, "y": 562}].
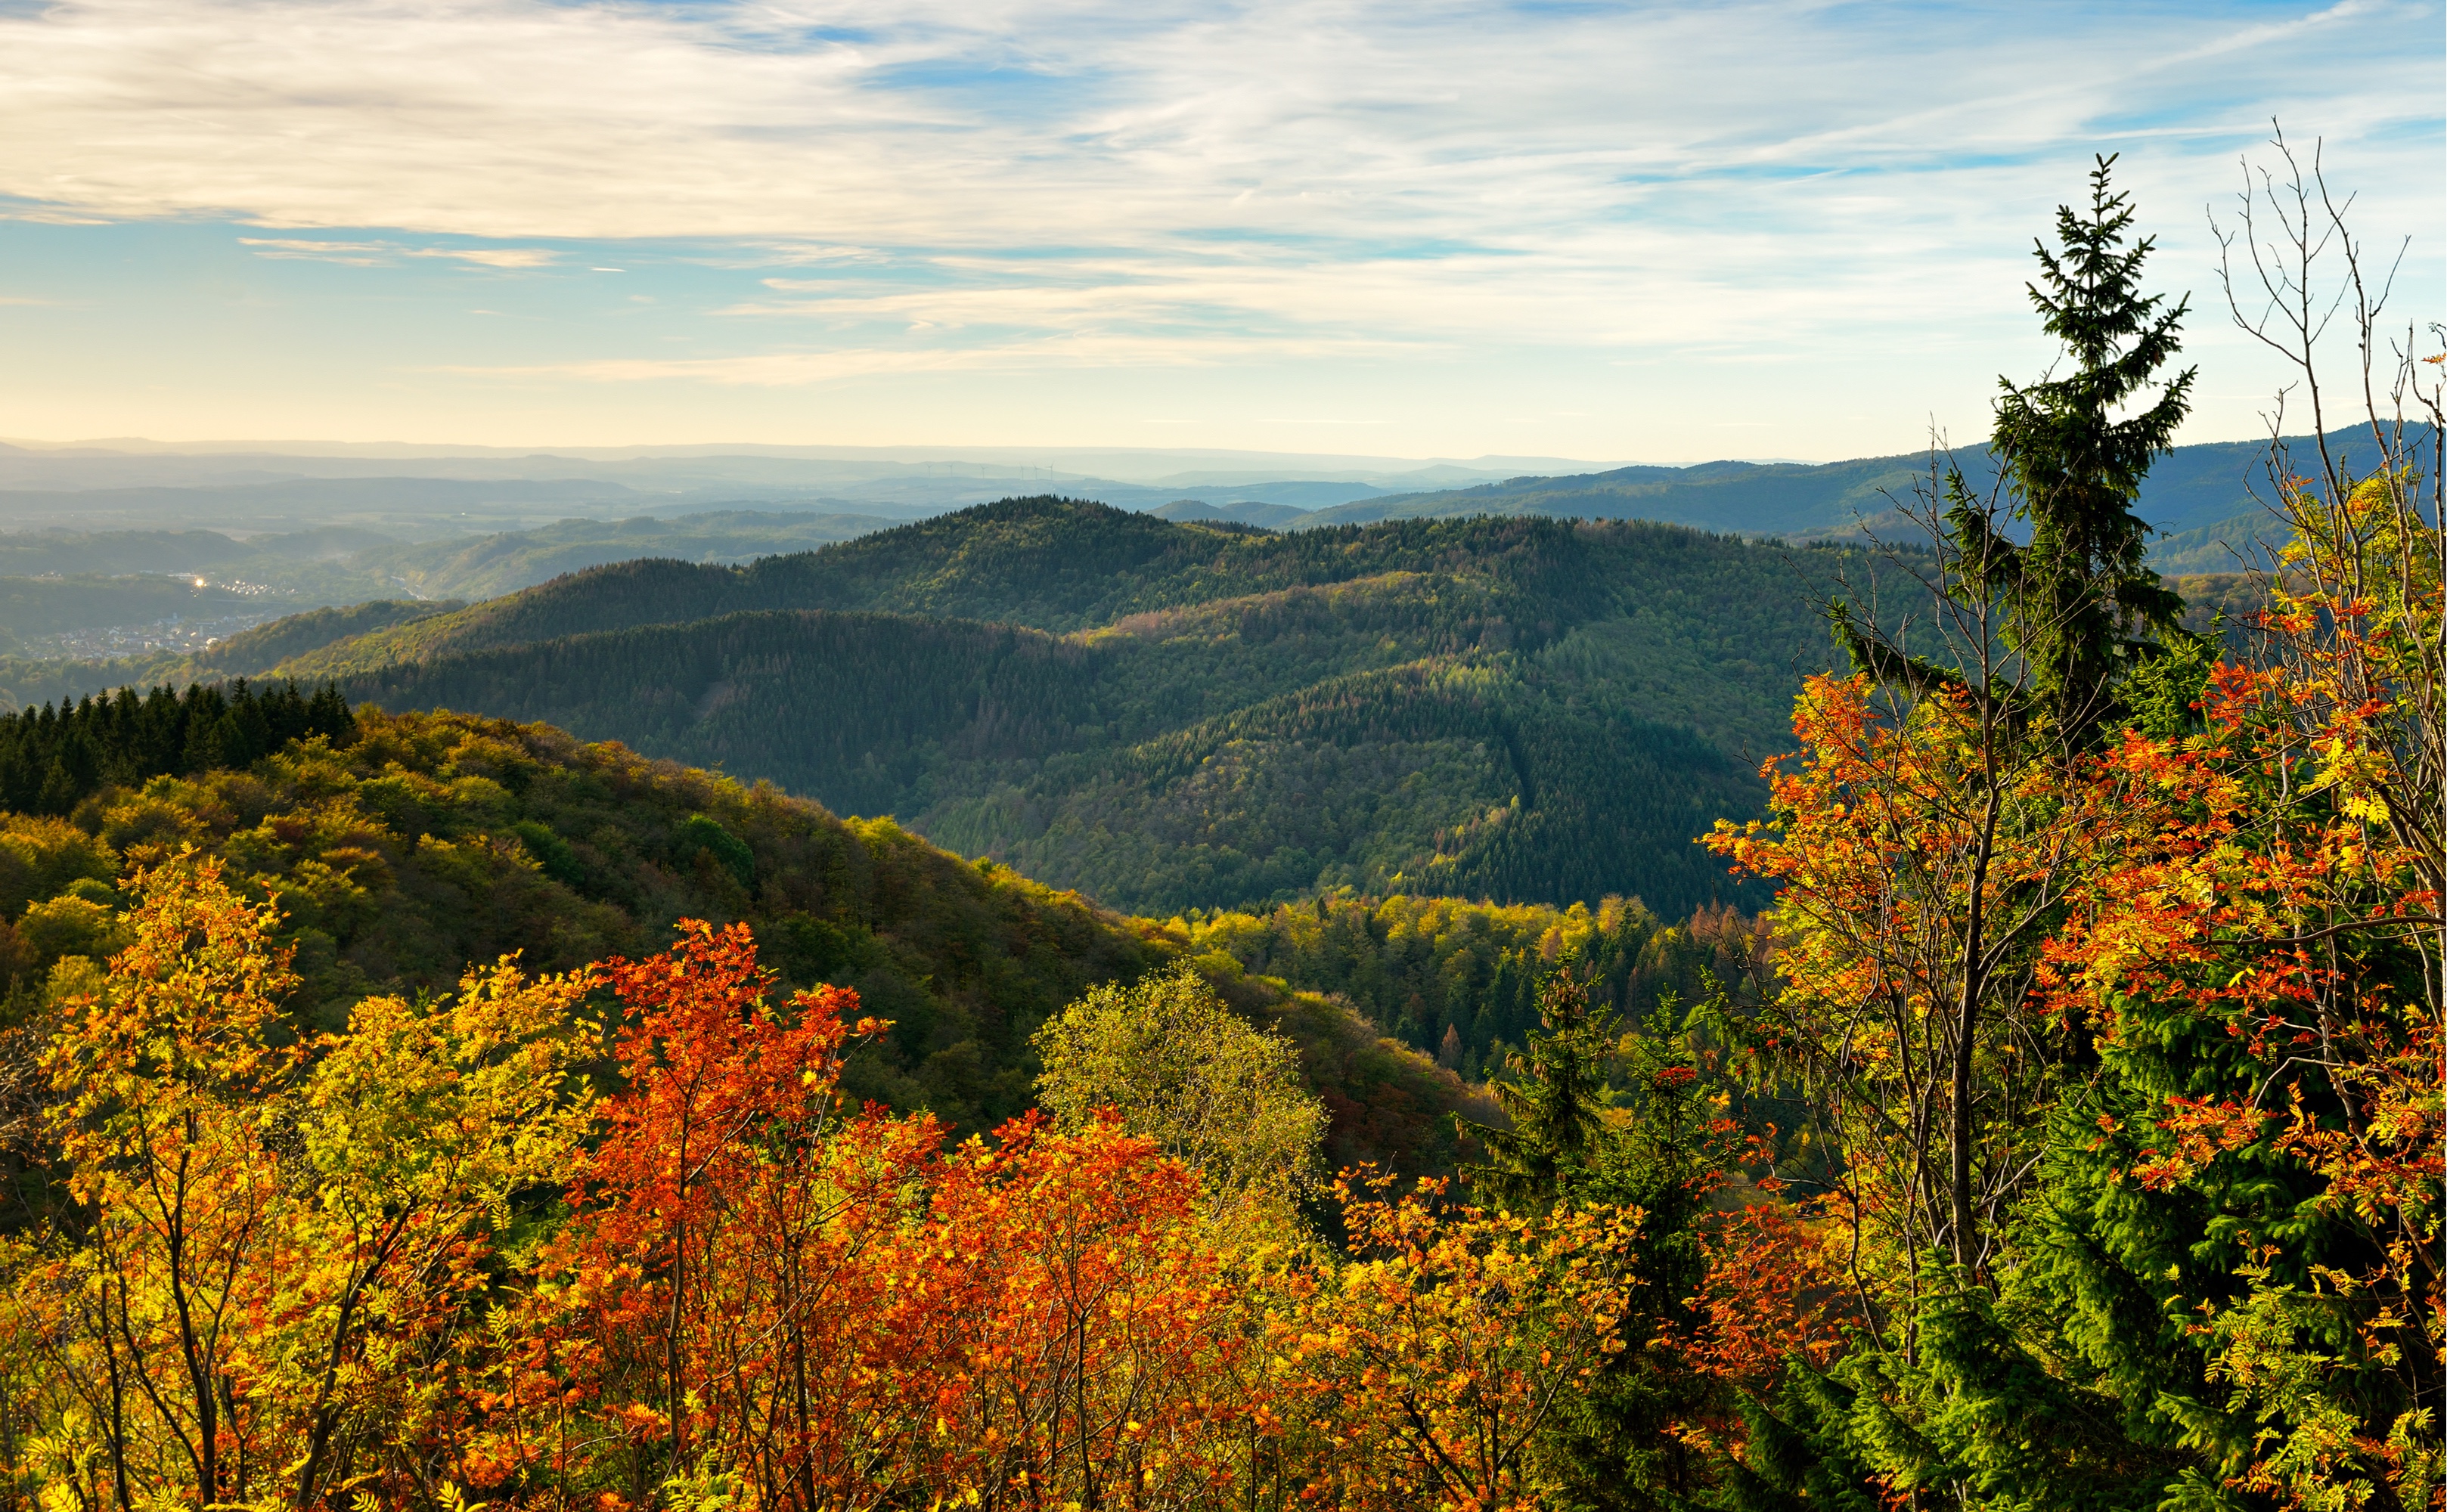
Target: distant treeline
[
  {"x": 56, "y": 756},
  {"x": 1459, "y": 979}
]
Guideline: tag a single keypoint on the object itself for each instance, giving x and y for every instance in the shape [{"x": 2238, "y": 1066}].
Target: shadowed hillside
[{"x": 1171, "y": 715}]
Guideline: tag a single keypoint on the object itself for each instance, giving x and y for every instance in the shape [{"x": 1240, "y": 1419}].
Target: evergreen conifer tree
[
  {"x": 1557, "y": 1106},
  {"x": 2084, "y": 603},
  {"x": 1613, "y": 1445},
  {"x": 1610, "y": 1443},
  {"x": 2079, "y": 605}
]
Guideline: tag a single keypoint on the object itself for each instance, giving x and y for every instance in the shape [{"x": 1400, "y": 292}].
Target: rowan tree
[
  {"x": 1080, "y": 1338},
  {"x": 713, "y": 1303}
]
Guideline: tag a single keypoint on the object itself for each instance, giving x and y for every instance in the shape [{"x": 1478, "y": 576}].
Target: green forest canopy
[{"x": 1169, "y": 716}]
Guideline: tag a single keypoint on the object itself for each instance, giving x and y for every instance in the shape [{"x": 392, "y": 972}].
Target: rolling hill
[
  {"x": 404, "y": 849},
  {"x": 1180, "y": 715}
]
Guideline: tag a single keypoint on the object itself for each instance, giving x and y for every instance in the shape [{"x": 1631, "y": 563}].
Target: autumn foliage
[{"x": 613, "y": 1240}]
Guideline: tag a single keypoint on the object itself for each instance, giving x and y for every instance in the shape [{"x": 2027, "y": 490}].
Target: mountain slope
[
  {"x": 1467, "y": 773},
  {"x": 416, "y": 845},
  {"x": 1171, "y": 716}
]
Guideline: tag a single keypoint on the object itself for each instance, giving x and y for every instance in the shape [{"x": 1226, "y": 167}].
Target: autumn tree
[
  {"x": 1180, "y": 1068},
  {"x": 170, "y": 1078},
  {"x": 280, "y": 1245},
  {"x": 714, "y": 1302},
  {"x": 1075, "y": 1334},
  {"x": 2214, "y": 1278},
  {"x": 1937, "y": 849},
  {"x": 2259, "y": 1156},
  {"x": 1437, "y": 1358}
]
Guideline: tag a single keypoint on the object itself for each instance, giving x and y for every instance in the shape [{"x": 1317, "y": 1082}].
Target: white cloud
[
  {"x": 991, "y": 184},
  {"x": 384, "y": 253},
  {"x": 1041, "y": 124},
  {"x": 352, "y": 253},
  {"x": 489, "y": 256}
]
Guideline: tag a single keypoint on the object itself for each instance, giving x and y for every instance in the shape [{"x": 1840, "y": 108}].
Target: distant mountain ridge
[{"x": 2199, "y": 497}]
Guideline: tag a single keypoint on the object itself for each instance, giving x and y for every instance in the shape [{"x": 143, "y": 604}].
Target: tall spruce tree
[
  {"x": 2078, "y": 605},
  {"x": 2049, "y": 1381},
  {"x": 1557, "y": 1105},
  {"x": 2084, "y": 603}
]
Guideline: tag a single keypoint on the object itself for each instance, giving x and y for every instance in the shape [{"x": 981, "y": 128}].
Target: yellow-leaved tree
[{"x": 274, "y": 1245}]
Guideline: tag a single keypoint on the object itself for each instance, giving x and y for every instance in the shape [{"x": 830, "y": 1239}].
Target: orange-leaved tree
[
  {"x": 1920, "y": 855},
  {"x": 713, "y": 1314},
  {"x": 1082, "y": 1339}
]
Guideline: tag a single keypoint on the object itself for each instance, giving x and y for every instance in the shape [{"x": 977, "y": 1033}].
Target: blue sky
[{"x": 1621, "y": 231}]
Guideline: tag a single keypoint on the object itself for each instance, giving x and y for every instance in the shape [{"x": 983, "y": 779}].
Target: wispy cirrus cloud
[
  {"x": 986, "y": 187},
  {"x": 382, "y": 254}
]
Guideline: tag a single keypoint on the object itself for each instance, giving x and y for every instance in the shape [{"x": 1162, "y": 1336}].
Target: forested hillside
[
  {"x": 404, "y": 849},
  {"x": 1459, "y": 979},
  {"x": 1169, "y": 716}
]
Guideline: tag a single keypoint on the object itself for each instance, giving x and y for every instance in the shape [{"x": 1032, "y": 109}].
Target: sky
[{"x": 1421, "y": 228}]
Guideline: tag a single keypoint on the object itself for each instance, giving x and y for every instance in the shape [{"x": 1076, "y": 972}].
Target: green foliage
[
  {"x": 1171, "y": 716},
  {"x": 1666, "y": 1148},
  {"x": 702, "y": 834},
  {"x": 53, "y": 759},
  {"x": 1551, "y": 1141},
  {"x": 2075, "y": 467},
  {"x": 1659, "y": 1144},
  {"x": 1459, "y": 979}
]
